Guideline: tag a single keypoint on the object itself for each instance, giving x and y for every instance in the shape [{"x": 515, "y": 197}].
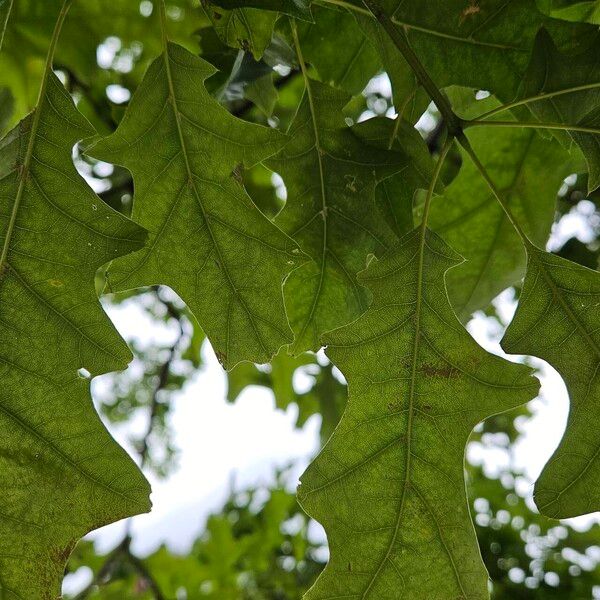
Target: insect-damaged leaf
[
  {"x": 208, "y": 241},
  {"x": 389, "y": 485},
  {"x": 558, "y": 320},
  {"x": 61, "y": 474},
  {"x": 330, "y": 174}
]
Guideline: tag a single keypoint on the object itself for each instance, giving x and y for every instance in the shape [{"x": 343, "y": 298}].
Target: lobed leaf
[
  {"x": 528, "y": 170},
  {"x": 389, "y": 485},
  {"x": 62, "y": 475},
  {"x": 484, "y": 44},
  {"x": 557, "y": 320},
  {"x": 330, "y": 176},
  {"x": 208, "y": 241},
  {"x": 558, "y": 78}
]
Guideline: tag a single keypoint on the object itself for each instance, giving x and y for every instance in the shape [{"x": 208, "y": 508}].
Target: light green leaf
[
  {"x": 389, "y": 485},
  {"x": 330, "y": 175},
  {"x": 248, "y": 29},
  {"x": 572, "y": 10},
  {"x": 562, "y": 76},
  {"x": 295, "y": 8},
  {"x": 557, "y": 319},
  {"x": 528, "y": 170},
  {"x": 208, "y": 241},
  {"x": 62, "y": 474}
]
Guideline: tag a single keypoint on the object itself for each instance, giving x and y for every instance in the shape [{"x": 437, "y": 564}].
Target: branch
[{"x": 454, "y": 124}]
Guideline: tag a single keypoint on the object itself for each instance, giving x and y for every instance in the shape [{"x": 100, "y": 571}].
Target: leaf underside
[
  {"x": 389, "y": 485},
  {"x": 558, "y": 320},
  {"x": 207, "y": 240},
  {"x": 62, "y": 473}
]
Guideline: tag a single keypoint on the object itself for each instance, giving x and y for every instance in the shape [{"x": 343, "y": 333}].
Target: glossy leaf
[
  {"x": 389, "y": 485},
  {"x": 208, "y": 241}
]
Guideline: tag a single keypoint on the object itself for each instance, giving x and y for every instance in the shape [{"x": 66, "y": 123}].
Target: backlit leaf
[
  {"x": 389, "y": 485},
  {"x": 557, "y": 319},
  {"x": 330, "y": 176},
  {"x": 61, "y": 474},
  {"x": 208, "y": 241},
  {"x": 551, "y": 72}
]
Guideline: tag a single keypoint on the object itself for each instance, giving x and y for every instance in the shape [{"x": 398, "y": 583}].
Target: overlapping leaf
[
  {"x": 248, "y": 29},
  {"x": 208, "y": 241},
  {"x": 483, "y": 44},
  {"x": 295, "y": 8},
  {"x": 389, "y": 485},
  {"x": 528, "y": 170},
  {"x": 350, "y": 61},
  {"x": 330, "y": 176},
  {"x": 558, "y": 320},
  {"x": 561, "y": 77},
  {"x": 61, "y": 474}
]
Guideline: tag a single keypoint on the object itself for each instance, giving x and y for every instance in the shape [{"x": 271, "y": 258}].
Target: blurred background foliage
[{"x": 259, "y": 545}]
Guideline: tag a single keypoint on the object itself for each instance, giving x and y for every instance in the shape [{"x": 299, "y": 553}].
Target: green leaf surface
[
  {"x": 295, "y": 8},
  {"x": 528, "y": 170},
  {"x": 208, "y": 241},
  {"x": 338, "y": 49},
  {"x": 330, "y": 174},
  {"x": 389, "y": 485},
  {"x": 572, "y": 10},
  {"x": 248, "y": 29},
  {"x": 484, "y": 44},
  {"x": 395, "y": 195},
  {"x": 62, "y": 474},
  {"x": 558, "y": 77},
  {"x": 557, "y": 320}
]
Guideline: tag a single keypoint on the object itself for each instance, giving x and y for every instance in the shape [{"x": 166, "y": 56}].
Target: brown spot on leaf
[
  {"x": 446, "y": 372},
  {"x": 472, "y": 9},
  {"x": 237, "y": 174},
  {"x": 55, "y": 282}
]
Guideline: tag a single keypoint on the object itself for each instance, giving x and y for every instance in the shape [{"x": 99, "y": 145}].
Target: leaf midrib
[
  {"x": 318, "y": 149},
  {"x": 193, "y": 187}
]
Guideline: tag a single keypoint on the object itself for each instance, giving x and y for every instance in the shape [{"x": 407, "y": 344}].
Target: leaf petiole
[
  {"x": 537, "y": 98},
  {"x": 540, "y": 125}
]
